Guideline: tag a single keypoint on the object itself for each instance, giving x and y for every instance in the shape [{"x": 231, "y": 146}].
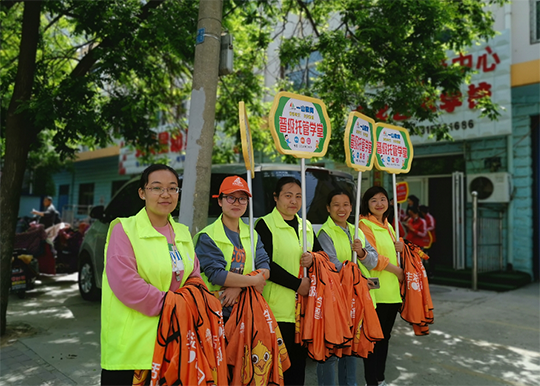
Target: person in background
[
  {"x": 50, "y": 215},
  {"x": 336, "y": 238},
  {"x": 416, "y": 227},
  {"x": 146, "y": 256},
  {"x": 412, "y": 202},
  {"x": 380, "y": 234},
  {"x": 430, "y": 227},
  {"x": 224, "y": 247},
  {"x": 391, "y": 217},
  {"x": 281, "y": 234}
]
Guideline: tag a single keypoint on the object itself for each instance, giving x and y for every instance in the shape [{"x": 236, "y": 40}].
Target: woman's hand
[
  {"x": 304, "y": 287},
  {"x": 398, "y": 271},
  {"x": 259, "y": 282},
  {"x": 399, "y": 246},
  {"x": 359, "y": 249},
  {"x": 306, "y": 260},
  {"x": 229, "y": 296},
  {"x": 370, "y": 284}
]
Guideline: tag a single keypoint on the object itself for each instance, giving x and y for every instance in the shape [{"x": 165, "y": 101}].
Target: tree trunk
[
  {"x": 20, "y": 133},
  {"x": 202, "y": 113}
]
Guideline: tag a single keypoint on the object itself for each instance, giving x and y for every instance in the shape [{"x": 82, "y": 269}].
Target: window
[
  {"x": 304, "y": 74},
  {"x": 535, "y": 21},
  {"x": 86, "y": 197}
]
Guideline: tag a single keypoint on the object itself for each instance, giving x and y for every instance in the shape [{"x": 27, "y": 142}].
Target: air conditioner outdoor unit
[{"x": 491, "y": 187}]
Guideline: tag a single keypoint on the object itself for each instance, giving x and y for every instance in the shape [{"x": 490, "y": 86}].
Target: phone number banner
[
  {"x": 394, "y": 152},
  {"x": 359, "y": 142},
  {"x": 299, "y": 125}
]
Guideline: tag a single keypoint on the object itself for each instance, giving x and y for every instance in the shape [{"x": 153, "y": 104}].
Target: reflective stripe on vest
[
  {"x": 342, "y": 245},
  {"x": 216, "y": 231},
  {"x": 128, "y": 336},
  {"x": 389, "y": 291},
  {"x": 287, "y": 251}
]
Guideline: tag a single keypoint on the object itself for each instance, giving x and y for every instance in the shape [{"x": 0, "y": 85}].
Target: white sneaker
[{"x": 383, "y": 383}]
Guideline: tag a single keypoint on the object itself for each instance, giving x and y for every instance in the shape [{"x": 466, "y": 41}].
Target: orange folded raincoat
[
  {"x": 190, "y": 344},
  {"x": 323, "y": 321},
  {"x": 366, "y": 327},
  {"x": 417, "y": 307},
  {"x": 256, "y": 353}
]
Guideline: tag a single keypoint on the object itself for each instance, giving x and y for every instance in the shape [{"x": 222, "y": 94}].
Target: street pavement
[{"x": 478, "y": 338}]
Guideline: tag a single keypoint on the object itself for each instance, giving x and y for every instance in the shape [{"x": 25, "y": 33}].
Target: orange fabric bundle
[
  {"x": 323, "y": 322},
  {"x": 256, "y": 353},
  {"x": 366, "y": 327},
  {"x": 417, "y": 307},
  {"x": 190, "y": 344}
]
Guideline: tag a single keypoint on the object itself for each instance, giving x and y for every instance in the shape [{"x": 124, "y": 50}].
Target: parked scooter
[{"x": 24, "y": 271}]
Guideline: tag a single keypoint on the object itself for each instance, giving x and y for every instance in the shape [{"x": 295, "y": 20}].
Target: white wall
[{"x": 520, "y": 12}]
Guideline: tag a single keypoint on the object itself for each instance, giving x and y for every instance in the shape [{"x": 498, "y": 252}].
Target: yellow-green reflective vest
[
  {"x": 286, "y": 252},
  {"x": 343, "y": 247},
  {"x": 389, "y": 291},
  {"x": 128, "y": 336},
  {"x": 216, "y": 231}
]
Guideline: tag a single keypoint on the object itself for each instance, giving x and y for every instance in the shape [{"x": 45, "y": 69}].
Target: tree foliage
[
  {"x": 370, "y": 55},
  {"x": 86, "y": 72}
]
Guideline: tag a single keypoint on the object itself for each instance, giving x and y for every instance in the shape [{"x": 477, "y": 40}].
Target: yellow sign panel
[
  {"x": 299, "y": 125},
  {"x": 245, "y": 136}
]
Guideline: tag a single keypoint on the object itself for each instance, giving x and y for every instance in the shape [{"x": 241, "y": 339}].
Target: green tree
[
  {"x": 372, "y": 55},
  {"x": 84, "y": 72}
]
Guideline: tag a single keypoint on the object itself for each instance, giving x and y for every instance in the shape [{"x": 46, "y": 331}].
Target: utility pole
[{"x": 202, "y": 112}]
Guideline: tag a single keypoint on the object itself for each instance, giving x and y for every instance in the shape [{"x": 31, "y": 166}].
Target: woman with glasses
[
  {"x": 224, "y": 247},
  {"x": 146, "y": 255},
  {"x": 281, "y": 233}
]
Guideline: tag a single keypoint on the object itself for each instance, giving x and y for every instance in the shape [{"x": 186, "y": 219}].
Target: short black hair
[
  {"x": 364, "y": 207},
  {"x": 284, "y": 181},
  {"x": 338, "y": 192},
  {"x": 152, "y": 168}
]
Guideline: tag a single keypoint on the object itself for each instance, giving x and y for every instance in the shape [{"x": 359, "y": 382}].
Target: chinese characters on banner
[
  {"x": 491, "y": 61},
  {"x": 359, "y": 141},
  {"x": 172, "y": 145},
  {"x": 394, "y": 149},
  {"x": 299, "y": 125}
]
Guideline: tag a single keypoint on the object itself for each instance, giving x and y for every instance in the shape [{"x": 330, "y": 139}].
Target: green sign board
[
  {"x": 299, "y": 125},
  {"x": 394, "y": 152},
  {"x": 359, "y": 141}
]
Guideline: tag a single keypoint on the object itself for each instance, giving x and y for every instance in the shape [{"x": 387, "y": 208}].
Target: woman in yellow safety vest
[
  {"x": 380, "y": 234},
  {"x": 281, "y": 233},
  {"x": 336, "y": 238},
  {"x": 224, "y": 247},
  {"x": 146, "y": 255}
]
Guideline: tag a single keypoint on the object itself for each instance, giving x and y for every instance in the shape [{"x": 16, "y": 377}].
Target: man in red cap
[{"x": 224, "y": 247}]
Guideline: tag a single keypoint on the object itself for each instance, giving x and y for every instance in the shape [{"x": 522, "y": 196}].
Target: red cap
[{"x": 233, "y": 184}]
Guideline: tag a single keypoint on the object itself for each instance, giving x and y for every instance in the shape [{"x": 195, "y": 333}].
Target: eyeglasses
[
  {"x": 157, "y": 190},
  {"x": 231, "y": 199}
]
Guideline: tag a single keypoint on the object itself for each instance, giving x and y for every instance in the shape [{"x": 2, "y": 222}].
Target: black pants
[
  {"x": 375, "y": 363},
  {"x": 120, "y": 377},
  {"x": 296, "y": 374}
]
